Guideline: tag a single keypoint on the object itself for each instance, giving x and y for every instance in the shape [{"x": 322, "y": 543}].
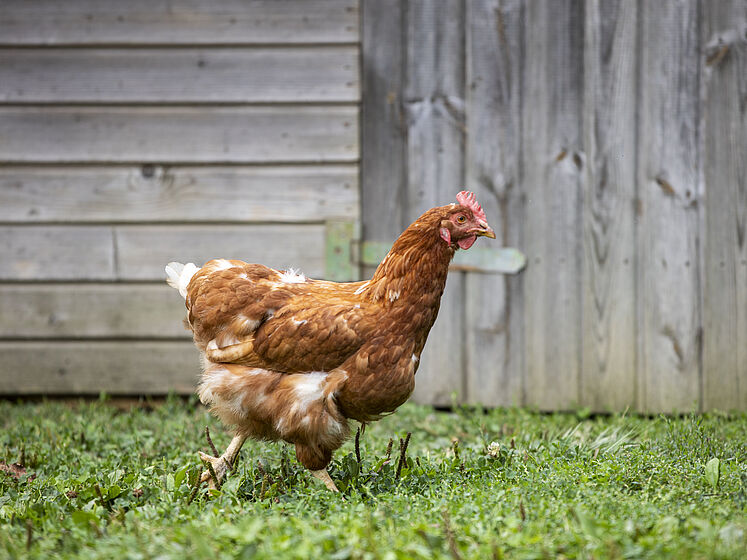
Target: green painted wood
[{"x": 338, "y": 264}]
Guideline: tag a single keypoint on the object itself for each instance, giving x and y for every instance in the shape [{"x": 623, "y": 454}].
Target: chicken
[{"x": 289, "y": 358}]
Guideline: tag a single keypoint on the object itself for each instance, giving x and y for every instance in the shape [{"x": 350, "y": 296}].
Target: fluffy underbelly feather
[{"x": 297, "y": 408}]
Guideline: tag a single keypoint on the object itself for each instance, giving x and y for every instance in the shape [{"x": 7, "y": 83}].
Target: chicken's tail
[{"x": 178, "y": 276}]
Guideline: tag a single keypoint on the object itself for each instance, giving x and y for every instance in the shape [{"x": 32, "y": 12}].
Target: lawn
[{"x": 99, "y": 482}]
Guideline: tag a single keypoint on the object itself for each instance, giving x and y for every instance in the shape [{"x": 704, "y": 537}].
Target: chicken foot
[
  {"x": 221, "y": 464},
  {"x": 323, "y": 475}
]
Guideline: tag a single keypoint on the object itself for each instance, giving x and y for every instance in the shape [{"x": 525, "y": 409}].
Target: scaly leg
[
  {"x": 223, "y": 463},
  {"x": 323, "y": 475}
]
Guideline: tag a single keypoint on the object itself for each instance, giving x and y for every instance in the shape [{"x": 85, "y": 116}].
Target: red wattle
[{"x": 467, "y": 242}]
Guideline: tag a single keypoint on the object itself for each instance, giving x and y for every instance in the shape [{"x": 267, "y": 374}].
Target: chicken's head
[{"x": 464, "y": 222}]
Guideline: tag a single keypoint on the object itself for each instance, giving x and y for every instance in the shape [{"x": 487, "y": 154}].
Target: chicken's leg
[
  {"x": 323, "y": 475},
  {"x": 223, "y": 463}
]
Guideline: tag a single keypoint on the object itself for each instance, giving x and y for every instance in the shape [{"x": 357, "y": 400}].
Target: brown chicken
[{"x": 289, "y": 358}]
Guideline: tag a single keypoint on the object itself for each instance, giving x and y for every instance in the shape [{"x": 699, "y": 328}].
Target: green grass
[{"x": 102, "y": 483}]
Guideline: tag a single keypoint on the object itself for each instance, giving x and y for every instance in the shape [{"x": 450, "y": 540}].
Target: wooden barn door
[
  {"x": 414, "y": 157},
  {"x": 603, "y": 138}
]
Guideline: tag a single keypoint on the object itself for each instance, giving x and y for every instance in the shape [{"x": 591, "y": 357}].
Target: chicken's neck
[{"x": 414, "y": 271}]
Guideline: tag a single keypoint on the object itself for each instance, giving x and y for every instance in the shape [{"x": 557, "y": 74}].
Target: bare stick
[{"x": 210, "y": 442}]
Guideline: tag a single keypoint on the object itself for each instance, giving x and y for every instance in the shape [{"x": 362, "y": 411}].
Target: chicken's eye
[{"x": 461, "y": 218}]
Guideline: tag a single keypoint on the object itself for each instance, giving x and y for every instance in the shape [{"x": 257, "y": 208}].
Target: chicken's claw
[
  {"x": 323, "y": 475},
  {"x": 217, "y": 467}
]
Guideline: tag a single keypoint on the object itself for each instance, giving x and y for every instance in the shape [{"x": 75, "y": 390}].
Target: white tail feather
[{"x": 178, "y": 276}]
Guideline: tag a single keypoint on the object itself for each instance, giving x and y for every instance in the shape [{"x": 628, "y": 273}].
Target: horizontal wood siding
[
  {"x": 137, "y": 133},
  {"x": 91, "y": 310},
  {"x": 223, "y": 75},
  {"x": 75, "y": 194},
  {"x": 178, "y": 22},
  {"x": 90, "y": 367},
  {"x": 141, "y": 252},
  {"x": 247, "y": 134}
]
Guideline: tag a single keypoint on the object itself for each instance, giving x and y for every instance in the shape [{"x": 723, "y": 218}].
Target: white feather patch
[
  {"x": 178, "y": 276},
  {"x": 222, "y": 264},
  {"x": 292, "y": 276},
  {"x": 308, "y": 387}
]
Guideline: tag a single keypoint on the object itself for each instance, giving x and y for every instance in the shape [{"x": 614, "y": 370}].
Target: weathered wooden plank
[
  {"x": 434, "y": 97},
  {"x": 215, "y": 75},
  {"x": 91, "y": 310},
  {"x": 383, "y": 163},
  {"x": 188, "y": 22},
  {"x": 551, "y": 173},
  {"x": 167, "y": 194},
  {"x": 89, "y": 367},
  {"x": 60, "y": 253},
  {"x": 264, "y": 134},
  {"x": 141, "y": 252},
  {"x": 493, "y": 111},
  {"x": 724, "y": 60},
  {"x": 668, "y": 169},
  {"x": 609, "y": 136}
]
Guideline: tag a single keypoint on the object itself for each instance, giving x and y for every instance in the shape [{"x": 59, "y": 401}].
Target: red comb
[{"x": 468, "y": 199}]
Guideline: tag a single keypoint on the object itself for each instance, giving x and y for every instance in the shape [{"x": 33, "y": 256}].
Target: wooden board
[
  {"x": 724, "y": 118},
  {"x": 608, "y": 376},
  {"x": 180, "y": 22},
  {"x": 552, "y": 176},
  {"x": 186, "y": 75},
  {"x": 62, "y": 311},
  {"x": 88, "y": 368},
  {"x": 434, "y": 95},
  {"x": 178, "y": 134},
  {"x": 141, "y": 252},
  {"x": 57, "y": 253},
  {"x": 668, "y": 183},
  {"x": 383, "y": 132},
  {"x": 493, "y": 318},
  {"x": 75, "y": 194}
]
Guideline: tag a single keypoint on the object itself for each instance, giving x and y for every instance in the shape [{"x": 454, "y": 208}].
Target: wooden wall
[
  {"x": 606, "y": 139},
  {"x": 135, "y": 133}
]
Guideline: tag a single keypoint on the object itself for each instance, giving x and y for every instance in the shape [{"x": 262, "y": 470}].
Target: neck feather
[{"x": 416, "y": 266}]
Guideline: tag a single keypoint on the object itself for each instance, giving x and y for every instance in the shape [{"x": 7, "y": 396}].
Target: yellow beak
[{"x": 485, "y": 230}]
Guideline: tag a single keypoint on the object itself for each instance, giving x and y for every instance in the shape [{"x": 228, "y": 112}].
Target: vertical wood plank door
[
  {"x": 552, "y": 163},
  {"x": 668, "y": 168},
  {"x": 724, "y": 73},
  {"x": 608, "y": 377},
  {"x": 493, "y": 318},
  {"x": 605, "y": 139}
]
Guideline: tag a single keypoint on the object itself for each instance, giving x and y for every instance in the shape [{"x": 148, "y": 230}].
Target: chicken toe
[
  {"x": 221, "y": 464},
  {"x": 323, "y": 475}
]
